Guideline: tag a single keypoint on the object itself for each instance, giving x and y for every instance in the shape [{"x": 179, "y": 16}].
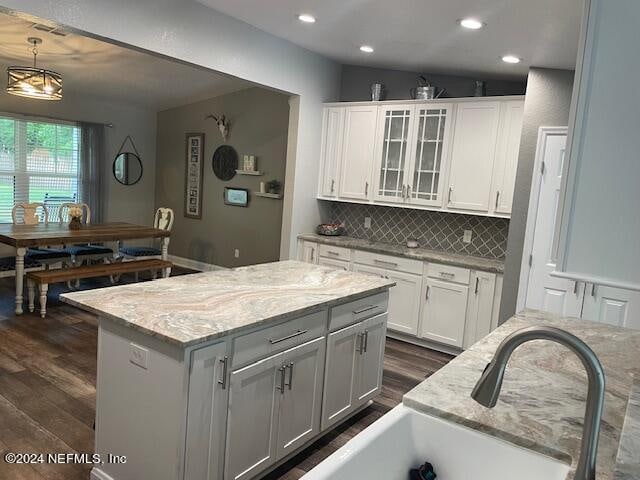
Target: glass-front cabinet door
[
  {"x": 429, "y": 153},
  {"x": 392, "y": 153}
]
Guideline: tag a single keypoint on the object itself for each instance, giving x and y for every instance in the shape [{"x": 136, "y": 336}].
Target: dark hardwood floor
[{"x": 47, "y": 389}]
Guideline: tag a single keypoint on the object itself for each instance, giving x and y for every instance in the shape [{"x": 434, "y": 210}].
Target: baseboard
[
  {"x": 194, "y": 264},
  {"x": 97, "y": 474},
  {"x": 421, "y": 342}
]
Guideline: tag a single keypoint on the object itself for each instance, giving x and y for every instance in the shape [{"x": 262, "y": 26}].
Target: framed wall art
[{"x": 193, "y": 175}]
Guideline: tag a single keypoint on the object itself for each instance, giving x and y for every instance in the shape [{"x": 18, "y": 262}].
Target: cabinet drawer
[
  {"x": 449, "y": 273},
  {"x": 389, "y": 262},
  {"x": 259, "y": 344},
  {"x": 342, "y": 315},
  {"x": 337, "y": 253}
]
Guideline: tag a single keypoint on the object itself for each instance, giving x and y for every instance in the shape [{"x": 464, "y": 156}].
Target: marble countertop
[
  {"x": 190, "y": 309},
  {"x": 628, "y": 461},
  {"x": 543, "y": 397},
  {"x": 468, "y": 261}
]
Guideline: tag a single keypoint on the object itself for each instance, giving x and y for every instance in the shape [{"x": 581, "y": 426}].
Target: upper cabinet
[
  {"x": 356, "y": 159},
  {"x": 455, "y": 155}
]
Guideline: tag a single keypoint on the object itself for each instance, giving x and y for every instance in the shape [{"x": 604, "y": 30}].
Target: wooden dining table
[{"x": 22, "y": 237}]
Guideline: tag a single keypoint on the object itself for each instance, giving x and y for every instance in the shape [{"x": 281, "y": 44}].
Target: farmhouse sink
[{"x": 405, "y": 438}]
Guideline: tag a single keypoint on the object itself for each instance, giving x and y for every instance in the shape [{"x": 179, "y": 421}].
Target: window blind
[{"x": 39, "y": 162}]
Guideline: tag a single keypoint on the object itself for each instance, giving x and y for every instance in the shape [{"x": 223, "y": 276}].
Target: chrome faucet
[{"x": 487, "y": 390}]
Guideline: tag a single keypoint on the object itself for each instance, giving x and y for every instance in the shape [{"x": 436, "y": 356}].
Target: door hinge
[
  {"x": 530, "y": 260},
  {"x": 542, "y": 168}
]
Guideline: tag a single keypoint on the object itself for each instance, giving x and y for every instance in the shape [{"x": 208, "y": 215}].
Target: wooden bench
[{"x": 43, "y": 278}]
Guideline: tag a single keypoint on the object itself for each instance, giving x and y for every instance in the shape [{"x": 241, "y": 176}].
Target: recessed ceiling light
[
  {"x": 510, "y": 59},
  {"x": 366, "y": 49},
  {"x": 306, "y": 18},
  {"x": 471, "y": 23}
]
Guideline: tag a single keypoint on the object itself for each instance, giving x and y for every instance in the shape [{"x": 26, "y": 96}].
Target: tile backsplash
[{"x": 434, "y": 230}]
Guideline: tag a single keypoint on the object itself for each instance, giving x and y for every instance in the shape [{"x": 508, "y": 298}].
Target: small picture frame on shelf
[{"x": 236, "y": 197}]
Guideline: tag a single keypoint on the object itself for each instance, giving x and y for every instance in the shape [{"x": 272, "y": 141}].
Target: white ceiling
[
  {"x": 422, "y": 35},
  {"x": 102, "y": 70}
]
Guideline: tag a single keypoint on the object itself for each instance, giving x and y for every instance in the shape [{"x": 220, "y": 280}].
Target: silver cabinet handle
[
  {"x": 450, "y": 190},
  {"x": 361, "y": 343},
  {"x": 225, "y": 368},
  {"x": 575, "y": 288},
  {"x": 331, "y": 252},
  {"x": 497, "y": 198},
  {"x": 427, "y": 296},
  {"x": 333, "y": 182},
  {"x": 404, "y": 188},
  {"x": 408, "y": 192},
  {"x": 366, "y": 340},
  {"x": 290, "y": 367},
  {"x": 366, "y": 189},
  {"x": 282, "y": 371},
  {"x": 447, "y": 275},
  {"x": 364, "y": 309},
  {"x": 593, "y": 289},
  {"x": 477, "y": 284},
  {"x": 382, "y": 262},
  {"x": 313, "y": 253},
  {"x": 295, "y": 334}
]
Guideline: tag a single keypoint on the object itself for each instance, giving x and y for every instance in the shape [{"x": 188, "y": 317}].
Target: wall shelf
[
  {"x": 255, "y": 173},
  {"x": 275, "y": 196}
]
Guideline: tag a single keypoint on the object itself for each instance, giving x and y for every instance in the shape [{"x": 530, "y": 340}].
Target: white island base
[{"x": 237, "y": 406}]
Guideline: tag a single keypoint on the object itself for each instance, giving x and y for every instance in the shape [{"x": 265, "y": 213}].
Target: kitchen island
[{"x": 228, "y": 374}]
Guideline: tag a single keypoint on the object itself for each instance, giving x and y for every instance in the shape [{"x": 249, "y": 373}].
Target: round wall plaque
[{"x": 225, "y": 162}]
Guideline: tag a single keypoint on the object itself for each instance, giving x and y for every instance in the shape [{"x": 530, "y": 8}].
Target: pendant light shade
[{"x": 33, "y": 82}]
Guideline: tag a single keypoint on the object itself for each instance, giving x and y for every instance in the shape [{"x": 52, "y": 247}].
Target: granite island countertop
[
  {"x": 543, "y": 397},
  {"x": 189, "y": 309},
  {"x": 492, "y": 265}
]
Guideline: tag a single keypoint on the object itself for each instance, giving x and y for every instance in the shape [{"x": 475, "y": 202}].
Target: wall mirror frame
[{"x": 127, "y": 165}]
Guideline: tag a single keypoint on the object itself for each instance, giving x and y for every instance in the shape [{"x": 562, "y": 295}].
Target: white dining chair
[{"x": 83, "y": 252}]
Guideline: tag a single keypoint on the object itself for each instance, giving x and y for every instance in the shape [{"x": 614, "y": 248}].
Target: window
[{"x": 39, "y": 162}]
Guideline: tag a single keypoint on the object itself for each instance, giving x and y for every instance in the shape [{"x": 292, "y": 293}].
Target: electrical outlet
[
  {"x": 236, "y": 253},
  {"x": 138, "y": 355},
  {"x": 466, "y": 238},
  {"x": 367, "y": 222}
]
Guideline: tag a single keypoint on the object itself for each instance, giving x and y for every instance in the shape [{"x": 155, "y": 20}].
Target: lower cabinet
[
  {"x": 274, "y": 407},
  {"x": 354, "y": 368},
  {"x": 331, "y": 262},
  {"x": 444, "y": 313},
  {"x": 480, "y": 307}
]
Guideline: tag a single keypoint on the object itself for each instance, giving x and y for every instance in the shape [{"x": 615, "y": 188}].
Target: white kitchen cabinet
[
  {"x": 331, "y": 262},
  {"x": 392, "y": 153},
  {"x": 331, "y": 150},
  {"x": 370, "y": 361},
  {"x": 340, "y": 374},
  {"x": 480, "y": 307},
  {"x": 613, "y": 306},
  {"x": 252, "y": 422},
  {"x": 506, "y": 163},
  {"x": 357, "y": 152},
  {"x": 207, "y": 412},
  {"x": 473, "y": 155},
  {"x": 444, "y": 312},
  {"x": 301, "y": 397},
  {"x": 307, "y": 251},
  {"x": 430, "y": 154}
]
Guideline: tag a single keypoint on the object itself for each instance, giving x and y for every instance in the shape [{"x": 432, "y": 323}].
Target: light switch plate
[
  {"x": 466, "y": 238},
  {"x": 139, "y": 355},
  {"x": 367, "y": 222}
]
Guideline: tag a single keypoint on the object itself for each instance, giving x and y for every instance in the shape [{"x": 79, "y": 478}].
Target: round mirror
[{"x": 127, "y": 168}]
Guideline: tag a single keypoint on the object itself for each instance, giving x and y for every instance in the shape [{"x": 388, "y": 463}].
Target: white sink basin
[{"x": 405, "y": 438}]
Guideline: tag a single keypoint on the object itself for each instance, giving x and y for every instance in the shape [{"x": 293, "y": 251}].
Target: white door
[
  {"x": 392, "y": 153},
  {"x": 613, "y": 306},
  {"x": 544, "y": 292},
  {"x": 370, "y": 359},
  {"x": 254, "y": 396},
  {"x": 330, "y": 151},
  {"x": 480, "y": 307},
  {"x": 472, "y": 156},
  {"x": 339, "y": 380},
  {"x": 430, "y": 154},
  {"x": 332, "y": 262},
  {"x": 206, "y": 413},
  {"x": 301, "y": 399},
  {"x": 504, "y": 178},
  {"x": 444, "y": 312},
  {"x": 357, "y": 152},
  {"x": 308, "y": 252}
]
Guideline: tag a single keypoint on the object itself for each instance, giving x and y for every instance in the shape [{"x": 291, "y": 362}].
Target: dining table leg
[
  {"x": 20, "y": 253},
  {"x": 166, "y": 272}
]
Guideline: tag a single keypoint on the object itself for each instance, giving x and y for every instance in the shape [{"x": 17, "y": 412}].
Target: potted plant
[{"x": 273, "y": 186}]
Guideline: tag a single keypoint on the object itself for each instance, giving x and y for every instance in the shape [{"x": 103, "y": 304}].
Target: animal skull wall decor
[{"x": 223, "y": 125}]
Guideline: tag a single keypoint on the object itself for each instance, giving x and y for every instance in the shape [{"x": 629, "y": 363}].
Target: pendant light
[{"x": 33, "y": 82}]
